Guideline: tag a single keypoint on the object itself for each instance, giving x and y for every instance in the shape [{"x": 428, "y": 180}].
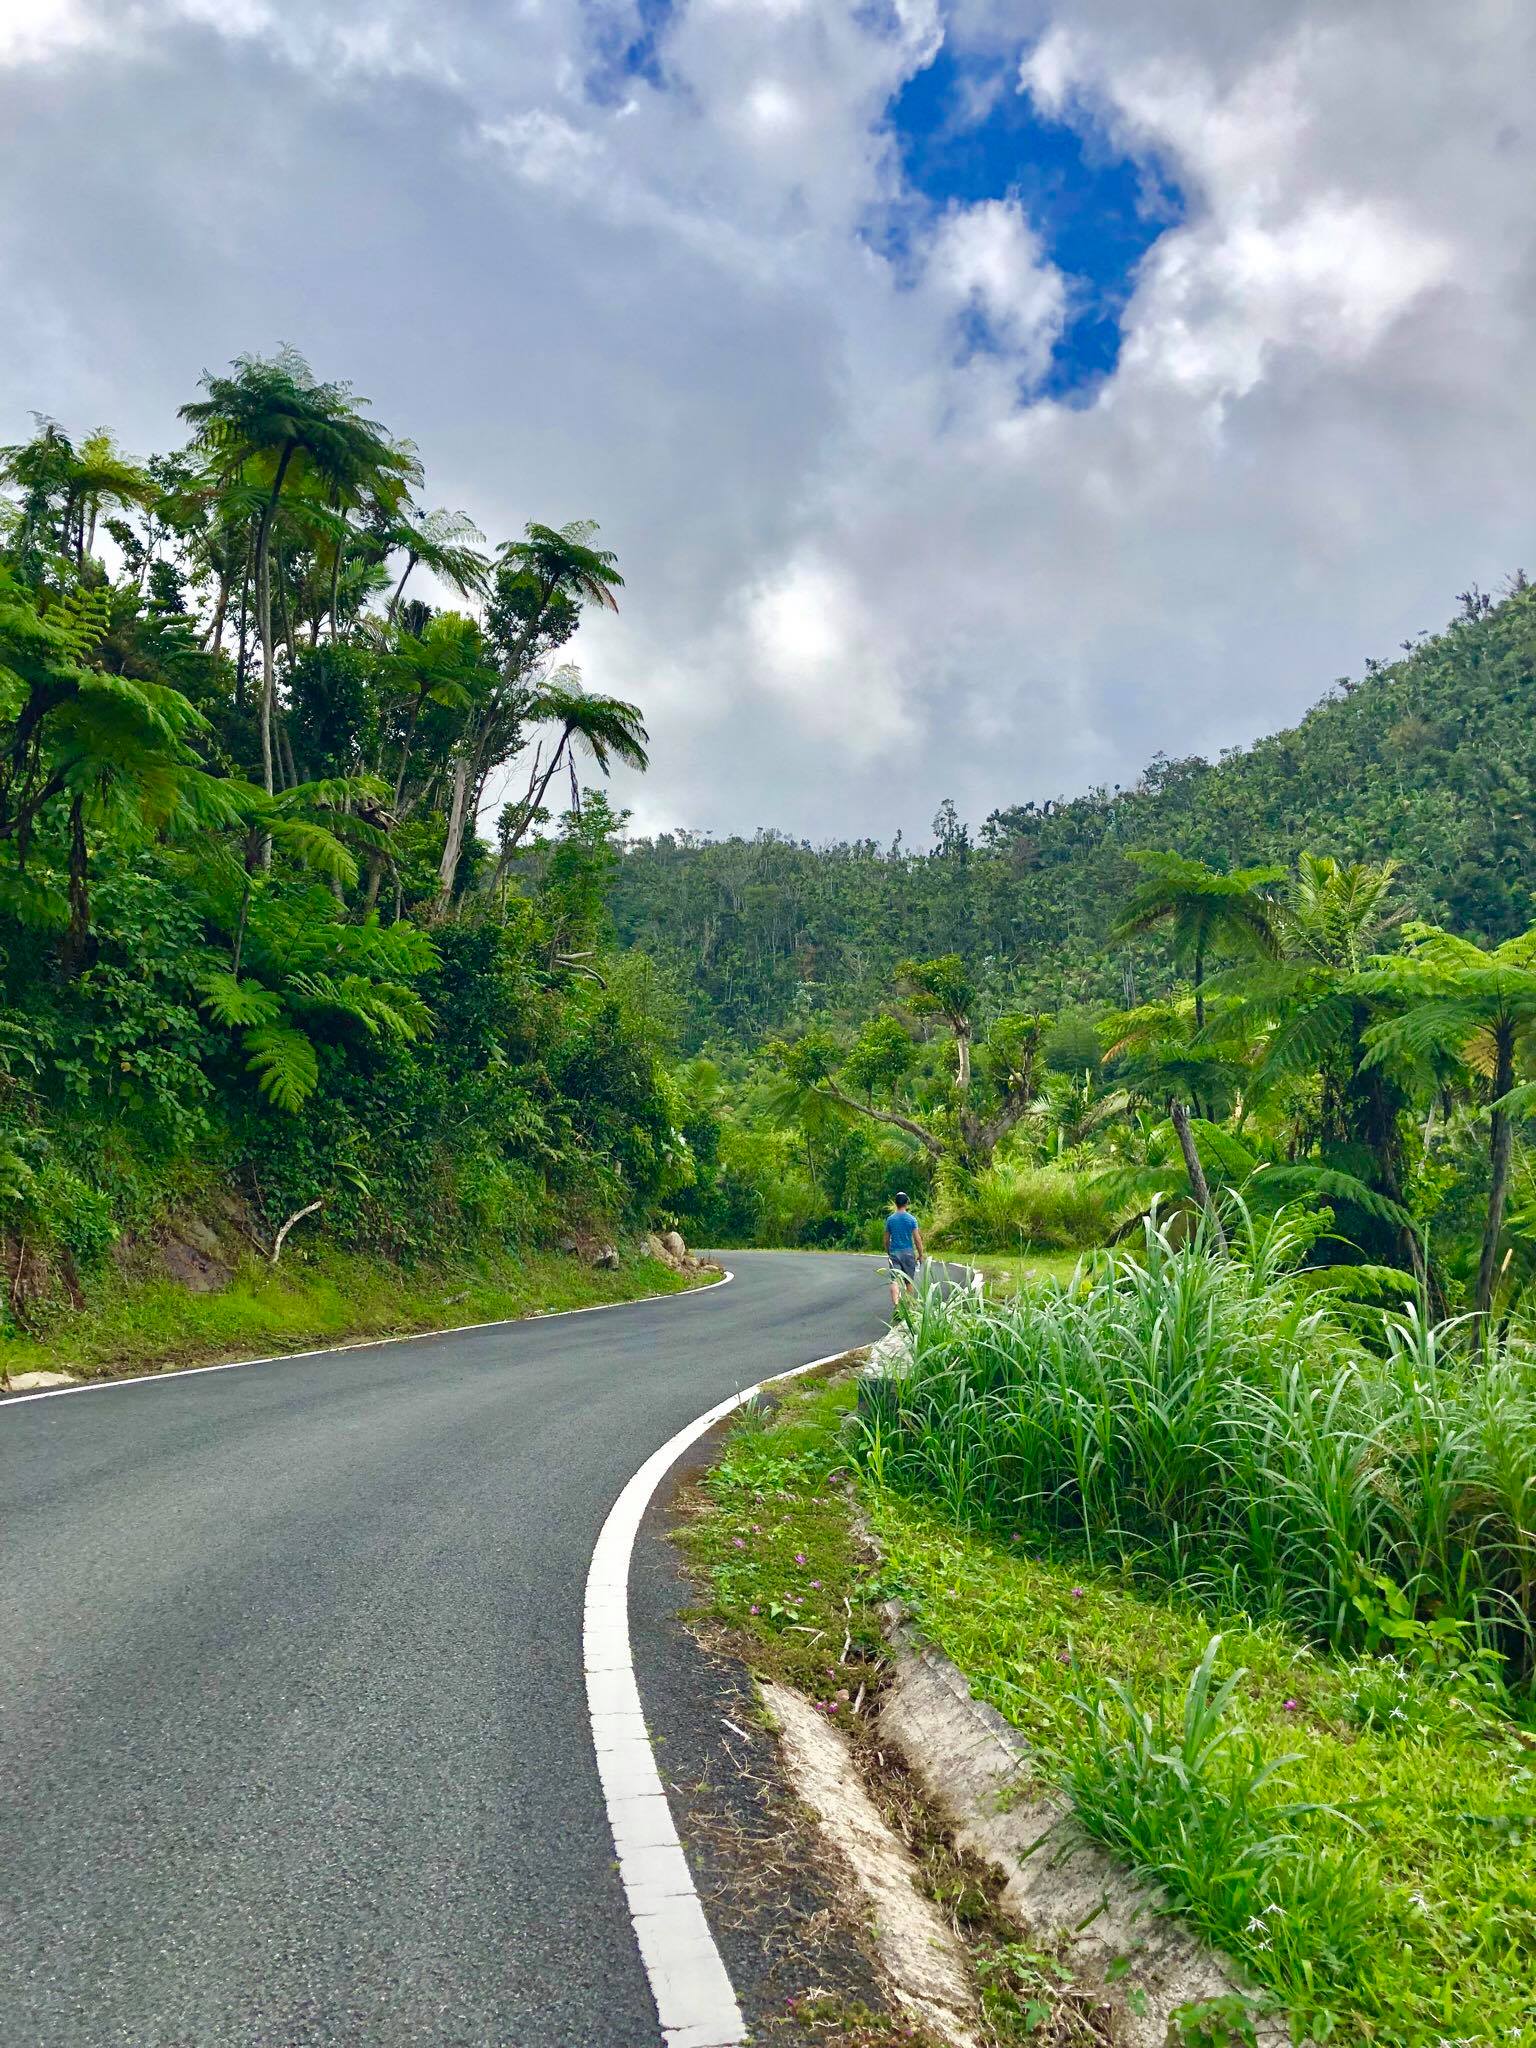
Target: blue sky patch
[
  {"x": 628, "y": 51},
  {"x": 966, "y": 133}
]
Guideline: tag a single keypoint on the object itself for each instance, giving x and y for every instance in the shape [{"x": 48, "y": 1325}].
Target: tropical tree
[
  {"x": 606, "y": 728},
  {"x": 268, "y": 426},
  {"x": 944, "y": 988},
  {"x": 71, "y": 486},
  {"x": 1154, "y": 1063},
  {"x": 971, "y": 1122},
  {"x": 1206, "y": 912},
  {"x": 1454, "y": 998},
  {"x": 441, "y": 542},
  {"x": 543, "y": 582},
  {"x": 96, "y": 747},
  {"x": 1302, "y": 1020}
]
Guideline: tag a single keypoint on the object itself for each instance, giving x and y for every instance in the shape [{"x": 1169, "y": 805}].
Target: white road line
[
  {"x": 695, "y": 2000},
  {"x": 192, "y": 1372}
]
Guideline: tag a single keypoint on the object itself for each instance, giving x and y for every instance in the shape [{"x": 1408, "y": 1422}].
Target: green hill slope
[{"x": 1429, "y": 759}]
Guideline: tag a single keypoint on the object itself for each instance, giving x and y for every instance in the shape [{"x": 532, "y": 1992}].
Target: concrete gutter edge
[{"x": 1066, "y": 1891}]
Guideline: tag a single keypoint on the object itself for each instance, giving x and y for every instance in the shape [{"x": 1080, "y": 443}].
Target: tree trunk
[
  {"x": 77, "y": 937},
  {"x": 1199, "y": 1187},
  {"x": 242, "y": 654},
  {"x": 406, "y": 744},
  {"x": 453, "y": 845},
  {"x": 963, "y": 1058},
  {"x": 285, "y": 754},
  {"x": 264, "y": 628},
  {"x": 216, "y": 630},
  {"x": 832, "y": 1093},
  {"x": 335, "y": 597},
  {"x": 394, "y": 602},
  {"x": 288, "y": 635},
  {"x": 1501, "y": 1138}
]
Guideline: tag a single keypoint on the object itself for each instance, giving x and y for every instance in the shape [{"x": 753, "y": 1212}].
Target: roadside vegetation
[
  {"x": 303, "y": 936},
  {"x": 1252, "y": 1578},
  {"x": 325, "y": 1296},
  {"x": 1257, "y": 1581}
]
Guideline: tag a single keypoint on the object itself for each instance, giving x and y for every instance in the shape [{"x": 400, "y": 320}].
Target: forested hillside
[
  {"x": 1429, "y": 760},
  {"x": 256, "y": 964},
  {"x": 261, "y": 963}
]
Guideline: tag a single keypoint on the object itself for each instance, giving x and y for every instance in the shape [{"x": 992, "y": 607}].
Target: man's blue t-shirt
[{"x": 901, "y": 1229}]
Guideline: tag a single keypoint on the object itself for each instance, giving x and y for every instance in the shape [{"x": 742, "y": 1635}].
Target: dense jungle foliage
[
  {"x": 1303, "y": 972},
  {"x": 260, "y": 954},
  {"x": 255, "y": 957},
  {"x": 1428, "y": 760}
]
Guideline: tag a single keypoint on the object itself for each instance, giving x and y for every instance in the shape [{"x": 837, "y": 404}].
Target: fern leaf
[
  {"x": 284, "y": 1061},
  {"x": 233, "y": 1002}
]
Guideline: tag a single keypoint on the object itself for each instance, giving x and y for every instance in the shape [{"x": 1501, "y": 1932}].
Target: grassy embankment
[
  {"x": 323, "y": 1296},
  {"x": 1357, "y": 1830}
]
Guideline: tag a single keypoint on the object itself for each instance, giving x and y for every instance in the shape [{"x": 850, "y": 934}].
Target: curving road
[{"x": 294, "y": 1744}]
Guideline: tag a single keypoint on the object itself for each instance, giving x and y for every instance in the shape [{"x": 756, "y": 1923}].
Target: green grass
[
  {"x": 1009, "y": 1273},
  {"x": 319, "y": 1296},
  {"x": 1030, "y": 1207},
  {"x": 777, "y": 1548},
  {"x": 1205, "y": 1424},
  {"x": 1406, "y": 1905},
  {"x": 1417, "y": 1923}
]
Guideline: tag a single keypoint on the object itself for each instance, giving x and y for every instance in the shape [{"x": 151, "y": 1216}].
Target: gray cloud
[{"x": 861, "y": 574}]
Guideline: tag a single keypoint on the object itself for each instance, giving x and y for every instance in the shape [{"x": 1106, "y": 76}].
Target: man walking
[{"x": 903, "y": 1247}]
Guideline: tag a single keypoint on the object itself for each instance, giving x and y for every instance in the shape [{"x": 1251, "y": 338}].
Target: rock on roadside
[{"x": 38, "y": 1382}]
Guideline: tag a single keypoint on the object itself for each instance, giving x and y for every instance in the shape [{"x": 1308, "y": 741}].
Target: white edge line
[
  {"x": 695, "y": 2000},
  {"x": 191, "y": 1372}
]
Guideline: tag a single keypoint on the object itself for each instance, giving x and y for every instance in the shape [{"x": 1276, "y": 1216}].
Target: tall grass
[
  {"x": 1200, "y": 1422},
  {"x": 1010, "y": 1207}
]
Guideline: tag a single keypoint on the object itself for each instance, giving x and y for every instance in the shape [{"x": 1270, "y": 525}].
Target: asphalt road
[{"x": 294, "y": 1745}]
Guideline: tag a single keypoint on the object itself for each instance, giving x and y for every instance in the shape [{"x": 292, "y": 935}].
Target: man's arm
[
  {"x": 887, "y": 1235},
  {"x": 917, "y": 1239}
]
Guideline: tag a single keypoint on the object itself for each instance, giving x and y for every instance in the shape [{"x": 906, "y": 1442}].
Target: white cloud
[
  {"x": 988, "y": 259},
  {"x": 866, "y": 566}
]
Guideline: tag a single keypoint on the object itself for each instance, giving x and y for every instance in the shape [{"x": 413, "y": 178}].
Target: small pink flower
[
  {"x": 800, "y": 1557},
  {"x": 816, "y": 1585},
  {"x": 740, "y": 1542},
  {"x": 1014, "y": 1538},
  {"x": 754, "y": 1608},
  {"x": 1077, "y": 1592},
  {"x": 1063, "y": 1656},
  {"x": 1293, "y": 1706}
]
